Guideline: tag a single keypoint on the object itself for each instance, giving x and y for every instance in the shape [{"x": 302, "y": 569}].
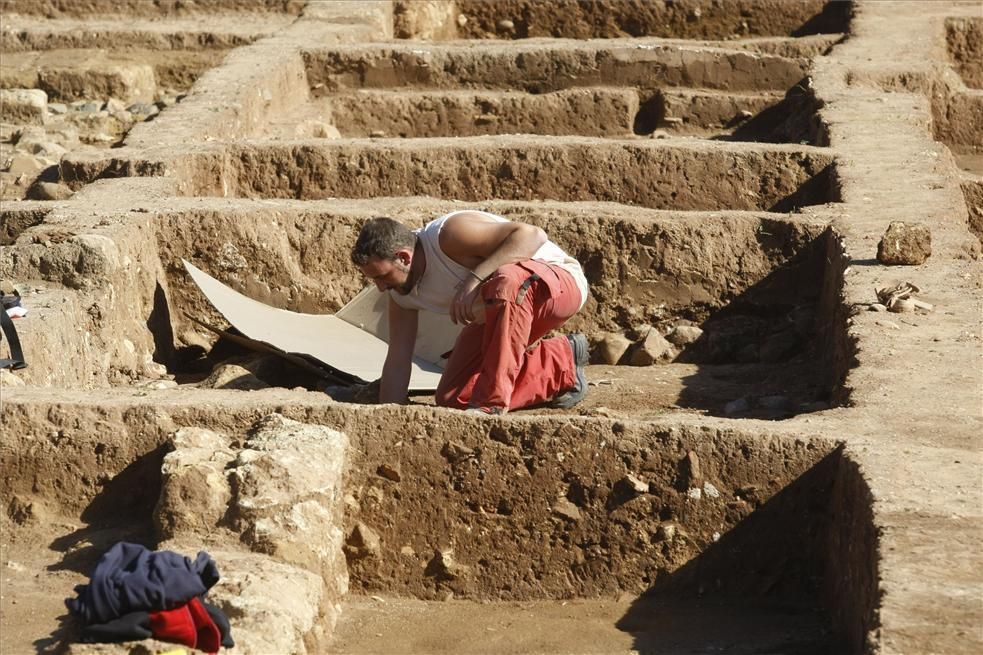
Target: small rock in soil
[
  {"x": 566, "y": 510},
  {"x": 389, "y": 471},
  {"x": 49, "y": 191},
  {"x": 443, "y": 566},
  {"x": 778, "y": 347},
  {"x": 363, "y": 542},
  {"x": 737, "y": 406},
  {"x": 505, "y": 25},
  {"x": 773, "y": 402},
  {"x": 691, "y": 471},
  {"x": 666, "y": 532},
  {"x": 907, "y": 244},
  {"x": 635, "y": 484},
  {"x": 654, "y": 348},
  {"x": 902, "y": 306},
  {"x": 710, "y": 491},
  {"x": 876, "y": 307},
  {"x": 610, "y": 348},
  {"x": 683, "y": 335},
  {"x": 456, "y": 452}
]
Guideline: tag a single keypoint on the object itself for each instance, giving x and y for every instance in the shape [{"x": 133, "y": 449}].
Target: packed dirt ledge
[{"x": 778, "y": 207}]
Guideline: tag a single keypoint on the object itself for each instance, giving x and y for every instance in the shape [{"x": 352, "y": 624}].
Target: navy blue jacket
[{"x": 131, "y": 578}]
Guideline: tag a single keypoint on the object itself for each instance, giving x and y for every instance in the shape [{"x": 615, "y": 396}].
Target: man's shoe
[{"x": 567, "y": 399}]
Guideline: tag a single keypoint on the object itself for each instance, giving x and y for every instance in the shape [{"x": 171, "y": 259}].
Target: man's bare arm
[
  {"x": 399, "y": 359},
  {"x": 484, "y": 245}
]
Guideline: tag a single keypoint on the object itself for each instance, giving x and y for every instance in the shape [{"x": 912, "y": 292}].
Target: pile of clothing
[{"x": 136, "y": 593}]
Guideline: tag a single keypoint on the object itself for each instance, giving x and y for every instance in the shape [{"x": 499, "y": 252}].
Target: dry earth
[{"x": 795, "y": 472}]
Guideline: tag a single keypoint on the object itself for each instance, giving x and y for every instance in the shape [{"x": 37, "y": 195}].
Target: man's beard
[{"x": 408, "y": 285}]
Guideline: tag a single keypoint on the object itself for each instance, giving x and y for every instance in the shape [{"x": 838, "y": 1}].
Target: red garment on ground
[
  {"x": 189, "y": 625},
  {"x": 502, "y": 363}
]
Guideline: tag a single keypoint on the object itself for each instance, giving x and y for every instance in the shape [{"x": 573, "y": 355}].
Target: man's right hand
[{"x": 463, "y": 304}]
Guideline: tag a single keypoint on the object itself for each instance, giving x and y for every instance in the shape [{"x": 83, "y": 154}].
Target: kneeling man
[{"x": 506, "y": 283}]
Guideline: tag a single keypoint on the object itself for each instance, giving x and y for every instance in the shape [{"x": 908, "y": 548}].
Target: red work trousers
[{"x": 504, "y": 363}]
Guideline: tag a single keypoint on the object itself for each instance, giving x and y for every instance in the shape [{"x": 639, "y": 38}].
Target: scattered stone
[
  {"x": 86, "y": 106},
  {"x": 778, "y": 347},
  {"x": 156, "y": 385},
  {"x": 666, "y": 532},
  {"x": 660, "y": 134},
  {"x": 443, "y": 566},
  {"x": 505, "y": 25},
  {"x": 363, "y": 542},
  {"x": 377, "y": 134},
  {"x": 634, "y": 485},
  {"x": 876, "y": 307},
  {"x": 683, "y": 335},
  {"x": 610, "y": 348},
  {"x": 389, "y": 472},
  {"x": 672, "y": 120},
  {"x": 744, "y": 115},
  {"x": 194, "y": 491},
  {"x": 566, "y": 509},
  {"x": 456, "y": 452},
  {"x": 113, "y": 106},
  {"x": 710, "y": 491},
  {"x": 326, "y": 131},
  {"x": 407, "y": 551},
  {"x": 654, "y": 348},
  {"x": 695, "y": 493},
  {"x": 692, "y": 472},
  {"x": 143, "y": 110},
  {"x": 907, "y": 244},
  {"x": 738, "y": 406},
  {"x": 272, "y": 606},
  {"x": 49, "y": 191},
  {"x": 9, "y": 379},
  {"x": 773, "y": 402},
  {"x": 24, "y": 106},
  {"x": 57, "y": 108},
  {"x": 25, "y": 164},
  {"x": 233, "y": 376},
  {"x": 888, "y": 324},
  {"x": 462, "y": 20},
  {"x": 902, "y": 306},
  {"x": 485, "y": 119},
  {"x": 902, "y": 293}
]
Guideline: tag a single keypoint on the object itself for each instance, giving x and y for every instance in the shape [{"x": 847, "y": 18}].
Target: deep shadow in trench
[
  {"x": 773, "y": 584},
  {"x": 782, "y": 341}
]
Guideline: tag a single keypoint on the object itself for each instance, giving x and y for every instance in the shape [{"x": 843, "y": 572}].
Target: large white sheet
[{"x": 353, "y": 340}]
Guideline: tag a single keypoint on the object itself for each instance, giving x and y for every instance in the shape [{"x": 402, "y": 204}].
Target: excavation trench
[
  {"x": 518, "y": 19},
  {"x": 710, "y": 525},
  {"x": 716, "y": 176}
]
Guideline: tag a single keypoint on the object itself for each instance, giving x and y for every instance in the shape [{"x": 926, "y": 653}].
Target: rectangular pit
[{"x": 552, "y": 511}]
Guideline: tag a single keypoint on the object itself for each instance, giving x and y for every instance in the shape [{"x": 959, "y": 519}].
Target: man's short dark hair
[{"x": 381, "y": 237}]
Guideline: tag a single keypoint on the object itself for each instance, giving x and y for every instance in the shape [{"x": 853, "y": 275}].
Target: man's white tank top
[{"x": 436, "y": 288}]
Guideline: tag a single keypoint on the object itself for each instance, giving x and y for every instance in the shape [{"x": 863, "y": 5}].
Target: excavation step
[
  {"x": 588, "y": 111},
  {"x": 220, "y": 31},
  {"x": 132, "y": 76},
  {"x": 721, "y": 19},
  {"x": 661, "y": 174},
  {"x": 544, "y": 66},
  {"x": 410, "y": 113},
  {"x": 377, "y": 624}
]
